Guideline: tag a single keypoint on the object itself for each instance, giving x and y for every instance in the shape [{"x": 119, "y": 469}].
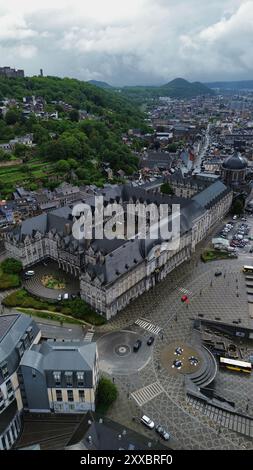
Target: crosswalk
[
  {"x": 148, "y": 326},
  {"x": 184, "y": 291},
  {"x": 89, "y": 336},
  {"x": 146, "y": 394}
]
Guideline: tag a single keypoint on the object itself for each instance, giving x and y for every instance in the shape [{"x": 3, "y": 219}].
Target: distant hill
[
  {"x": 234, "y": 85},
  {"x": 99, "y": 84},
  {"x": 177, "y": 88}
]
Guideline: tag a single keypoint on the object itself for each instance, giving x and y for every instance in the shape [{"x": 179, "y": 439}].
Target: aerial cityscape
[{"x": 126, "y": 229}]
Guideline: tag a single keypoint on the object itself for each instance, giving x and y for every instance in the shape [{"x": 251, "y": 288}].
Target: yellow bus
[
  {"x": 237, "y": 366},
  {"x": 247, "y": 269}
]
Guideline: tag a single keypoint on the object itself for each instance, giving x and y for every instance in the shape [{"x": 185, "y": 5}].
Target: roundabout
[{"x": 116, "y": 355}]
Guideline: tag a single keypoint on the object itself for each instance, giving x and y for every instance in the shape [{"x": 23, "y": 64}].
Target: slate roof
[
  {"x": 235, "y": 162},
  {"x": 95, "y": 434},
  {"x": 60, "y": 355},
  {"x": 211, "y": 194},
  {"x": 12, "y": 328}
]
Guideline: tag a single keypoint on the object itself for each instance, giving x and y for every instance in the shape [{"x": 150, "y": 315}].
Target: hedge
[{"x": 76, "y": 308}]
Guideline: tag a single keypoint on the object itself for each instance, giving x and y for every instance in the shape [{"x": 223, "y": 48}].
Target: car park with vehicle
[
  {"x": 29, "y": 273},
  {"x": 162, "y": 433},
  {"x": 147, "y": 422}
]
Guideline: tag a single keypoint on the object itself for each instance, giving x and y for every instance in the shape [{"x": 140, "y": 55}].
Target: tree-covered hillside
[
  {"x": 67, "y": 145},
  {"x": 178, "y": 88}
]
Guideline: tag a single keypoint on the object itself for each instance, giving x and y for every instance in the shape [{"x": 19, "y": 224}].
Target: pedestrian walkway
[
  {"x": 89, "y": 336},
  {"x": 146, "y": 394},
  {"x": 148, "y": 326},
  {"x": 231, "y": 420}
]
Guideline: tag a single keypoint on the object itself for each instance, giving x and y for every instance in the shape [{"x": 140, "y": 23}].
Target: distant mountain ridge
[
  {"x": 100, "y": 84},
  {"x": 177, "y": 88},
  {"x": 233, "y": 85}
]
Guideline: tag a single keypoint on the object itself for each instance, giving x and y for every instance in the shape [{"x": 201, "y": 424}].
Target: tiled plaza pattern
[{"x": 213, "y": 298}]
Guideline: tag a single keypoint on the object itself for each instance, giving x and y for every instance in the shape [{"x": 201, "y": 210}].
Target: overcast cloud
[{"x": 129, "y": 41}]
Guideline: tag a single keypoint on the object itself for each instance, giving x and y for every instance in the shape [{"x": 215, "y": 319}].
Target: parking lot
[{"x": 239, "y": 233}]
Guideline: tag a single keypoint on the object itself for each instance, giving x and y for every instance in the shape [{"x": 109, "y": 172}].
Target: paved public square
[{"x": 160, "y": 312}]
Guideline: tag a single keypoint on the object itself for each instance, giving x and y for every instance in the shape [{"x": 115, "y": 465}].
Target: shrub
[
  {"x": 76, "y": 308},
  {"x": 106, "y": 394},
  {"x": 11, "y": 266}
]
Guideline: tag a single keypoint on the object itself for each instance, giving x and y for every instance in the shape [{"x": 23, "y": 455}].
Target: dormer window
[
  {"x": 57, "y": 378},
  {"x": 4, "y": 370},
  {"x": 80, "y": 379}
]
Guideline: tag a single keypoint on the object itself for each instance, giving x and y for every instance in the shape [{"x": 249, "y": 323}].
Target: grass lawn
[
  {"x": 212, "y": 255},
  {"x": 15, "y": 175},
  {"x": 8, "y": 281},
  {"x": 50, "y": 316}
]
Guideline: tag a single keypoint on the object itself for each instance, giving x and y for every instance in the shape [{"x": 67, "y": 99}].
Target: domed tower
[{"x": 234, "y": 169}]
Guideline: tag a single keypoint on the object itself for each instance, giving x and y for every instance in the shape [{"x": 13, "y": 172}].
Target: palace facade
[{"x": 113, "y": 272}]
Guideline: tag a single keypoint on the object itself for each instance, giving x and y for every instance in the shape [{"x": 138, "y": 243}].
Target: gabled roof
[{"x": 213, "y": 192}]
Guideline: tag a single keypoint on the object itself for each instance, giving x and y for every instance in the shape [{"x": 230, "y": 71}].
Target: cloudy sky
[{"x": 129, "y": 41}]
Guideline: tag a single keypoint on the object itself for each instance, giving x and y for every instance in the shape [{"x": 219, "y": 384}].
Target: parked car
[
  {"x": 218, "y": 273},
  {"x": 137, "y": 345},
  {"x": 161, "y": 431},
  {"x": 73, "y": 296},
  {"x": 65, "y": 296},
  {"x": 148, "y": 422},
  {"x": 59, "y": 297},
  {"x": 150, "y": 341},
  {"x": 29, "y": 273}
]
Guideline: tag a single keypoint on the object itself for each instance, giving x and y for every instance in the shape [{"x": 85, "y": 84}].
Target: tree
[
  {"x": 106, "y": 392},
  {"x": 74, "y": 115},
  {"x": 62, "y": 166},
  {"x": 238, "y": 207},
  {"x": 11, "y": 117},
  {"x": 11, "y": 266},
  {"x": 20, "y": 150},
  {"x": 166, "y": 189}
]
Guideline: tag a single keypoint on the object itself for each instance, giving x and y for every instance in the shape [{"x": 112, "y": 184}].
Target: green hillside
[
  {"x": 66, "y": 145},
  {"x": 178, "y": 88}
]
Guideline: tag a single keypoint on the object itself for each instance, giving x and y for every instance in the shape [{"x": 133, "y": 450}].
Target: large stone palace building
[{"x": 113, "y": 272}]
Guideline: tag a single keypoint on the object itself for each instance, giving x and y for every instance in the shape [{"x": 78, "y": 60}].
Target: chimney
[{"x": 67, "y": 229}]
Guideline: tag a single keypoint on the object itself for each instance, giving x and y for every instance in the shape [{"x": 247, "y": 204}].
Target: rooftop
[{"x": 6, "y": 323}]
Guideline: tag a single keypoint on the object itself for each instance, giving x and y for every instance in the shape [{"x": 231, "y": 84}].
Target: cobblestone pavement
[
  {"x": 34, "y": 284},
  {"x": 223, "y": 298}
]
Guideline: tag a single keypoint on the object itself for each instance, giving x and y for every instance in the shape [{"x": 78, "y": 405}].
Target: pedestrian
[{"x": 113, "y": 379}]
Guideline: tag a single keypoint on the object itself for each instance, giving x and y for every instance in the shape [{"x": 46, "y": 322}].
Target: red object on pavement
[{"x": 184, "y": 298}]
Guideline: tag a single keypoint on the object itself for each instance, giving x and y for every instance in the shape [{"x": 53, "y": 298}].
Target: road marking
[
  {"x": 184, "y": 291},
  {"x": 146, "y": 394},
  {"x": 89, "y": 335},
  {"x": 148, "y": 326}
]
